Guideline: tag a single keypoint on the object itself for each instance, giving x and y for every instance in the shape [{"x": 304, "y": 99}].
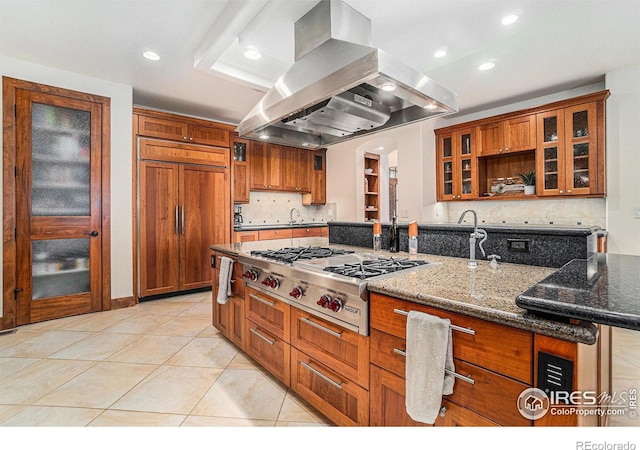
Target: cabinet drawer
[
  {"x": 275, "y": 234},
  {"x": 246, "y": 236},
  {"x": 491, "y": 395},
  {"x": 308, "y": 232},
  {"x": 452, "y": 415},
  {"x": 338, "y": 398},
  {"x": 209, "y": 135},
  {"x": 496, "y": 347},
  {"x": 268, "y": 350},
  {"x": 343, "y": 350},
  {"x": 269, "y": 313},
  {"x": 185, "y": 153},
  {"x": 383, "y": 348}
]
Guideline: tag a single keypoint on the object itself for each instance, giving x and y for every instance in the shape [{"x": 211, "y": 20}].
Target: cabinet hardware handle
[
  {"x": 184, "y": 138},
  {"x": 177, "y": 229},
  {"x": 468, "y": 378},
  {"x": 262, "y": 300},
  {"x": 561, "y": 191},
  {"x": 182, "y": 219},
  {"x": 191, "y": 139},
  {"x": 453, "y": 327},
  {"x": 268, "y": 341},
  {"x": 323, "y": 376},
  {"x": 568, "y": 191},
  {"x": 443, "y": 411},
  {"x": 93, "y": 233},
  {"x": 320, "y": 327}
]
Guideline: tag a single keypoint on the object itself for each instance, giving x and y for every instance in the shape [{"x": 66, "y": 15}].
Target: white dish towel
[
  {"x": 224, "y": 280},
  {"x": 429, "y": 353}
]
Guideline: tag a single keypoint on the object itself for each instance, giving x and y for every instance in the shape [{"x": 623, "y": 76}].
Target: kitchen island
[{"x": 501, "y": 356}]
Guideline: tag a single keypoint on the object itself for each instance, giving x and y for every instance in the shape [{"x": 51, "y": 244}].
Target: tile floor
[
  {"x": 162, "y": 363},
  {"x": 159, "y": 363}
]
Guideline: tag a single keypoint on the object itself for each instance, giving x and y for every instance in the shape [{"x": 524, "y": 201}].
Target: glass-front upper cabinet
[
  {"x": 456, "y": 159},
  {"x": 567, "y": 151}
]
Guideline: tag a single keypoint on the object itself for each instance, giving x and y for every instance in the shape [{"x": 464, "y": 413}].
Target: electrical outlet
[{"x": 637, "y": 213}]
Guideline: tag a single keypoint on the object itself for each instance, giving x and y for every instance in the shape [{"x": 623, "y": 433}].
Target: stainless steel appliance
[
  {"x": 340, "y": 87},
  {"x": 326, "y": 282}
]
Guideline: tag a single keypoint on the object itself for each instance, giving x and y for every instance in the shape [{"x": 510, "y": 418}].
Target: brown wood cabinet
[
  {"x": 229, "y": 317},
  {"x": 564, "y": 142},
  {"x": 456, "y": 163},
  {"x": 496, "y": 359},
  {"x": 297, "y": 169},
  {"x": 282, "y": 233},
  {"x": 318, "y": 194},
  {"x": 184, "y": 208},
  {"x": 267, "y": 173},
  {"x": 180, "y": 128},
  {"x": 371, "y": 186},
  {"x": 508, "y": 136},
  {"x": 240, "y": 170},
  {"x": 56, "y": 196}
]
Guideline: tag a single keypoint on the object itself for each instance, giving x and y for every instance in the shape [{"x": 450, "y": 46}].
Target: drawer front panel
[
  {"x": 383, "y": 348},
  {"x": 269, "y": 313},
  {"x": 275, "y": 234},
  {"x": 308, "y": 232},
  {"x": 452, "y": 415},
  {"x": 343, "y": 350},
  {"x": 491, "y": 346},
  {"x": 268, "y": 350},
  {"x": 339, "y": 399}
]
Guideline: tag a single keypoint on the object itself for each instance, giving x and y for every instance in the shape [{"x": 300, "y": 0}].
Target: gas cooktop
[{"x": 291, "y": 254}]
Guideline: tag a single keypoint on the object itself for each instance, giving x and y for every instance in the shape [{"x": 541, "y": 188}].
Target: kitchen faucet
[
  {"x": 478, "y": 233},
  {"x": 291, "y": 221}
]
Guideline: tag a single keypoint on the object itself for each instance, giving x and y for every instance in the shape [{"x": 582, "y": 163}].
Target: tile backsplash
[
  {"x": 272, "y": 208},
  {"x": 578, "y": 211}
]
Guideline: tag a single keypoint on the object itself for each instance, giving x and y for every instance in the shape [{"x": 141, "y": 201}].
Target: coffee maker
[{"x": 237, "y": 215}]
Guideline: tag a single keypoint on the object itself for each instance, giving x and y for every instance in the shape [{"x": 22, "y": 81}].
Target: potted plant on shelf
[{"x": 529, "y": 180}]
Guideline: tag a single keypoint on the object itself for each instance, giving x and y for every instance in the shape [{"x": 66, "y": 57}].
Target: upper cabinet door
[
  {"x": 550, "y": 157},
  {"x": 581, "y": 144},
  {"x": 508, "y": 136}
]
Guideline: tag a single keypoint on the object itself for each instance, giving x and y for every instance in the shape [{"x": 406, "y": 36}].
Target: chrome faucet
[
  {"x": 478, "y": 233},
  {"x": 291, "y": 221}
]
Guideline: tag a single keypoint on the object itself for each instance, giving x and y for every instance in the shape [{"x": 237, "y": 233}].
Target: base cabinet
[{"x": 229, "y": 317}]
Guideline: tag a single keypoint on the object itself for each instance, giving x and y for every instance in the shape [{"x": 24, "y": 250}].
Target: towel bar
[
  {"x": 453, "y": 327},
  {"x": 450, "y": 372}
]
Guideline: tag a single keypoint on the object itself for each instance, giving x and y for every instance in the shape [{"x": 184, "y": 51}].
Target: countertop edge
[{"x": 280, "y": 226}]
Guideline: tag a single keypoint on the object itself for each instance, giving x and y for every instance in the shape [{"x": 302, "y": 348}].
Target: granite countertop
[
  {"x": 484, "y": 292},
  {"x": 604, "y": 289},
  {"x": 277, "y": 226}
]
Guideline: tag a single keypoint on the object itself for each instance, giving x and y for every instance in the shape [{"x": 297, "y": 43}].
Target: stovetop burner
[
  {"x": 291, "y": 254},
  {"x": 374, "y": 267}
]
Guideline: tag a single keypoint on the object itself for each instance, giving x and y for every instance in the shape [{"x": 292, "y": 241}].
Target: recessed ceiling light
[
  {"x": 511, "y": 18},
  {"x": 486, "y": 66},
  {"x": 252, "y": 53},
  {"x": 388, "y": 87},
  {"x": 153, "y": 56},
  {"x": 380, "y": 148},
  {"x": 264, "y": 136},
  {"x": 305, "y": 144},
  {"x": 431, "y": 106},
  {"x": 440, "y": 53}
]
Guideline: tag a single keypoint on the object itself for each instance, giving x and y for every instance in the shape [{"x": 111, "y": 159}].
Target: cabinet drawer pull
[
  {"x": 320, "y": 327},
  {"x": 468, "y": 378},
  {"x": 323, "y": 376},
  {"x": 268, "y": 341},
  {"x": 262, "y": 300},
  {"x": 453, "y": 327}
]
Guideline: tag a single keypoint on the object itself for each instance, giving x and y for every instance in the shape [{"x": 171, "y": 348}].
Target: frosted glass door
[{"x": 60, "y": 267}]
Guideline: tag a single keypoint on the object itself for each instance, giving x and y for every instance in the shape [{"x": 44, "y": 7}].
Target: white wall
[
  {"x": 121, "y": 166},
  {"x": 623, "y": 161}
]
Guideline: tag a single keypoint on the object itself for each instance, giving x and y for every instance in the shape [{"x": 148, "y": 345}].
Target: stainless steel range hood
[{"x": 340, "y": 87}]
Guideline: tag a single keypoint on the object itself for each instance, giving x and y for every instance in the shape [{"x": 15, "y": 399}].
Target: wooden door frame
[{"x": 9, "y": 263}]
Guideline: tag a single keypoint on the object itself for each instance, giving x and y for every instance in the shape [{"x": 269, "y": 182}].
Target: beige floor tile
[
  {"x": 115, "y": 418},
  {"x": 162, "y": 307},
  {"x": 98, "y": 387},
  {"x": 97, "y": 347},
  {"x": 20, "y": 335},
  {"x": 52, "y": 416},
  {"x": 203, "y": 421},
  {"x": 281, "y": 423},
  {"x": 296, "y": 410},
  {"x": 246, "y": 394},
  {"x": 182, "y": 326},
  {"x": 95, "y": 321},
  {"x": 150, "y": 349},
  {"x": 138, "y": 324},
  {"x": 11, "y": 365},
  {"x": 195, "y": 297},
  {"x": 52, "y": 324},
  {"x": 6, "y": 411},
  {"x": 242, "y": 361},
  {"x": 210, "y": 331},
  {"x": 170, "y": 389},
  {"x": 199, "y": 310},
  {"x": 205, "y": 352},
  {"x": 27, "y": 385},
  {"x": 45, "y": 344}
]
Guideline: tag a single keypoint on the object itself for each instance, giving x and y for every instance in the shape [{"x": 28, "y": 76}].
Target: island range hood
[{"x": 340, "y": 87}]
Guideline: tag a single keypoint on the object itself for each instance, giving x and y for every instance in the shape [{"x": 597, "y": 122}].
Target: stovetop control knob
[
  {"x": 267, "y": 280},
  {"x": 271, "y": 282},
  {"x": 324, "y": 300},
  {"x": 250, "y": 275},
  {"x": 296, "y": 292},
  {"x": 335, "y": 304}
]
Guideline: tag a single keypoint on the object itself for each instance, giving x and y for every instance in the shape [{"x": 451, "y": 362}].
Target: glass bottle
[
  {"x": 394, "y": 236},
  {"x": 377, "y": 236},
  {"x": 413, "y": 238}
]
